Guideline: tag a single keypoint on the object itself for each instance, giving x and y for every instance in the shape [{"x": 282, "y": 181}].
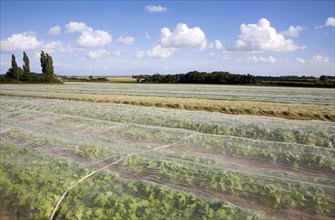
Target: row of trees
[
  {"x": 219, "y": 77},
  {"x": 199, "y": 77},
  {"x": 18, "y": 74}
]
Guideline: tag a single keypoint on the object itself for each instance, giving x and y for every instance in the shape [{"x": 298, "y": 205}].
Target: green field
[{"x": 73, "y": 152}]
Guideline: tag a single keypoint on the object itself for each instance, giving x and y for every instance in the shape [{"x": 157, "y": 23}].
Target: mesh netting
[
  {"x": 215, "y": 92},
  {"x": 161, "y": 163}
]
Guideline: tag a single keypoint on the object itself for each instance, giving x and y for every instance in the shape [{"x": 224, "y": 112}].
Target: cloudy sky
[{"x": 147, "y": 37}]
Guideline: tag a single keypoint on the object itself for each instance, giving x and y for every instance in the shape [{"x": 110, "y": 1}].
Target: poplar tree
[
  {"x": 14, "y": 71},
  {"x": 50, "y": 67},
  {"x": 26, "y": 66},
  {"x": 47, "y": 65},
  {"x": 43, "y": 62}
]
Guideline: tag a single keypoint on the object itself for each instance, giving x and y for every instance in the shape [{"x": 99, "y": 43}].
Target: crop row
[
  {"x": 271, "y": 191},
  {"x": 303, "y": 132},
  {"x": 103, "y": 132},
  {"x": 81, "y": 150},
  {"x": 293, "y": 154},
  {"x": 31, "y": 183},
  {"x": 95, "y": 147},
  {"x": 89, "y": 139},
  {"x": 119, "y": 199},
  {"x": 265, "y": 94},
  {"x": 31, "y": 188},
  {"x": 296, "y": 155}
]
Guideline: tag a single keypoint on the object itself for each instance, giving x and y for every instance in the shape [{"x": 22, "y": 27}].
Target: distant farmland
[{"x": 111, "y": 79}]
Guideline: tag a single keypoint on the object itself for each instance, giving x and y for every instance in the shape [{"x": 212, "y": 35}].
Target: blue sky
[{"x": 147, "y": 37}]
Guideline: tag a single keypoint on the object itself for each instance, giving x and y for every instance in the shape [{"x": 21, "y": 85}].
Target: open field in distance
[{"x": 121, "y": 79}]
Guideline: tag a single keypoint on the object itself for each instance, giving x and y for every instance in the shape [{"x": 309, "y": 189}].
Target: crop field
[
  {"x": 73, "y": 151},
  {"x": 283, "y": 102},
  {"x": 212, "y": 92}
]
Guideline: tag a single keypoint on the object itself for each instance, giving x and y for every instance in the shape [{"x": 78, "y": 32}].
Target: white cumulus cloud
[
  {"x": 183, "y": 37},
  {"x": 55, "y": 30},
  {"x": 153, "y": 8},
  {"x": 77, "y": 27},
  {"x": 320, "y": 59},
  {"x": 170, "y": 41},
  {"x": 98, "y": 54},
  {"x": 330, "y": 22},
  {"x": 156, "y": 52},
  {"x": 293, "y": 31},
  {"x": 126, "y": 40},
  {"x": 89, "y": 38},
  {"x": 20, "y": 42},
  {"x": 269, "y": 59},
  {"x": 301, "y": 60},
  {"x": 218, "y": 45},
  {"x": 96, "y": 38},
  {"x": 28, "y": 41},
  {"x": 263, "y": 37},
  {"x": 159, "y": 51},
  {"x": 52, "y": 47}
]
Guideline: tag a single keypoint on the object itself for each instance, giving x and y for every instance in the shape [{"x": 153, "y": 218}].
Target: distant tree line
[
  {"x": 220, "y": 77},
  {"x": 16, "y": 74},
  {"x": 83, "y": 79},
  {"x": 199, "y": 77},
  {"x": 298, "y": 81}
]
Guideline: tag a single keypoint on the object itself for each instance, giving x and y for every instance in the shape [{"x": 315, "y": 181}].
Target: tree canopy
[
  {"x": 26, "y": 65},
  {"x": 201, "y": 77},
  {"x": 16, "y": 74},
  {"x": 220, "y": 77}
]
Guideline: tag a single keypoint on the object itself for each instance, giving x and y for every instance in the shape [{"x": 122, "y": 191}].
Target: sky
[{"x": 146, "y": 37}]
